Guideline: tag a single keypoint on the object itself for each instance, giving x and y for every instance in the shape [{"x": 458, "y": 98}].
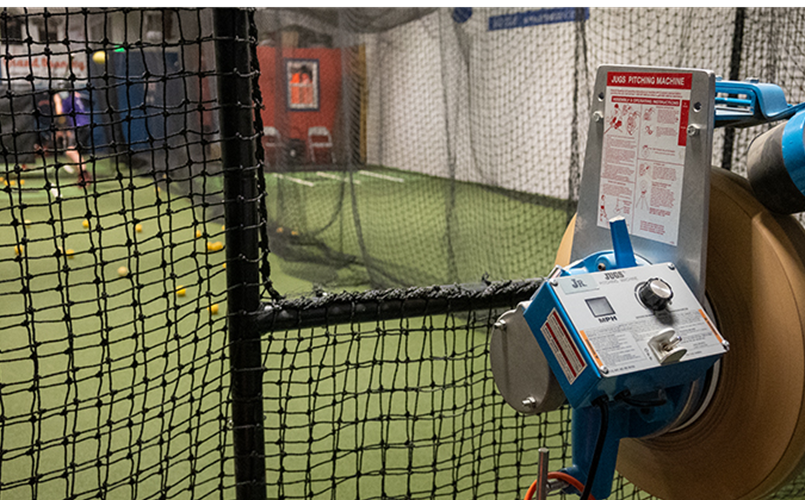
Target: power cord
[{"x": 602, "y": 405}]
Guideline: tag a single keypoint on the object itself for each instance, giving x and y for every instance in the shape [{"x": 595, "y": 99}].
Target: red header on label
[{"x": 650, "y": 80}]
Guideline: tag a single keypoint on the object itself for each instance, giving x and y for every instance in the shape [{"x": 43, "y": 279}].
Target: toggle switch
[{"x": 665, "y": 346}]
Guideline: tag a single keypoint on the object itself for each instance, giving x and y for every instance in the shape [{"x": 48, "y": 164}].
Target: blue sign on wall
[{"x": 537, "y": 17}]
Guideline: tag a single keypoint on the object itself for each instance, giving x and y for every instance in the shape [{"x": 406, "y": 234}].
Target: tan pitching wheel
[{"x": 750, "y": 440}]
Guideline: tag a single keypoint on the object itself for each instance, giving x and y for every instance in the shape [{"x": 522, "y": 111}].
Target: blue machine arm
[{"x": 744, "y": 104}]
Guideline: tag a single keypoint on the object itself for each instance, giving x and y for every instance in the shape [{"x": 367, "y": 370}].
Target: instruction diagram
[{"x": 643, "y": 157}]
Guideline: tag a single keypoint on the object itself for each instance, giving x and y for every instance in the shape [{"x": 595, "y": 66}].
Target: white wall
[{"x": 499, "y": 104}]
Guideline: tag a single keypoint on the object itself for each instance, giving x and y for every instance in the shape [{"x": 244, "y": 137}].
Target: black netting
[
  {"x": 398, "y": 409},
  {"x": 388, "y": 400},
  {"x": 445, "y": 146},
  {"x": 396, "y": 147},
  {"x": 113, "y": 361},
  {"x": 450, "y": 146}
]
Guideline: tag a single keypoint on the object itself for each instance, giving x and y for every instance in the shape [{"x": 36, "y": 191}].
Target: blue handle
[{"x": 751, "y": 103}]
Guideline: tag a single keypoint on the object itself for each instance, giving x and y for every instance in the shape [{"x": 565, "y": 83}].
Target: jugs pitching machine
[{"x": 673, "y": 321}]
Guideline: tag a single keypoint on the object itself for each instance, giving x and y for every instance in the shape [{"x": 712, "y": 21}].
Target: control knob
[{"x": 655, "y": 293}]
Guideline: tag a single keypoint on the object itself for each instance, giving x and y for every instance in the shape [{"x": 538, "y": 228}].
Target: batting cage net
[
  {"x": 408, "y": 147},
  {"x": 113, "y": 373},
  {"x": 153, "y": 156}
]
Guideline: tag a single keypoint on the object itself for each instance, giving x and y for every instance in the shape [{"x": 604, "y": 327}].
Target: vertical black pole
[
  {"x": 735, "y": 73},
  {"x": 242, "y": 239}
]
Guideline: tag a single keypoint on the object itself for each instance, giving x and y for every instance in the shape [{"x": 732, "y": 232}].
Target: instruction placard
[{"x": 643, "y": 152}]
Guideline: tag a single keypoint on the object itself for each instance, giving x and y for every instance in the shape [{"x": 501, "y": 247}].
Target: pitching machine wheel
[{"x": 750, "y": 439}]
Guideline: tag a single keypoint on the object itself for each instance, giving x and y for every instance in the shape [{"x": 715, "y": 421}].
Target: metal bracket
[{"x": 686, "y": 197}]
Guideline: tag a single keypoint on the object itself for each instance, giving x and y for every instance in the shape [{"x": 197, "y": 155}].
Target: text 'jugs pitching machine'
[{"x": 676, "y": 302}]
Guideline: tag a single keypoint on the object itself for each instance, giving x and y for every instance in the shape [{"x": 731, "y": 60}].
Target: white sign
[
  {"x": 57, "y": 67},
  {"x": 643, "y": 154}
]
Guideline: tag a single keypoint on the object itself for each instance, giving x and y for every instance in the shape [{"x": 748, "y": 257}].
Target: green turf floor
[
  {"x": 107, "y": 376},
  {"x": 396, "y": 228}
]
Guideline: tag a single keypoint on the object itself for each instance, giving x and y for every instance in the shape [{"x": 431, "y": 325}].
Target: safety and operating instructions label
[
  {"x": 563, "y": 346},
  {"x": 643, "y": 153}
]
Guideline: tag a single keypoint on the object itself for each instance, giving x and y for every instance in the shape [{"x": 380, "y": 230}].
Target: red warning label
[{"x": 563, "y": 346}]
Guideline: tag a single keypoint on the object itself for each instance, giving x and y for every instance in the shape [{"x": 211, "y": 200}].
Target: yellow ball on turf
[
  {"x": 224, "y": 266},
  {"x": 180, "y": 291},
  {"x": 138, "y": 228},
  {"x": 213, "y": 309},
  {"x": 99, "y": 57},
  {"x": 85, "y": 223},
  {"x": 19, "y": 249},
  {"x": 198, "y": 233},
  {"x": 122, "y": 271},
  {"x": 70, "y": 253}
]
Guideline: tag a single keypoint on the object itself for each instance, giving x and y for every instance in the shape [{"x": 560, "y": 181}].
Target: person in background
[{"x": 74, "y": 120}]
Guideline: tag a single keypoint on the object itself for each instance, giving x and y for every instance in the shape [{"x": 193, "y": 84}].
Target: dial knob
[{"x": 655, "y": 293}]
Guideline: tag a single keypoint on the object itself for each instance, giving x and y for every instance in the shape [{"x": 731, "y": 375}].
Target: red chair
[
  {"x": 272, "y": 144},
  {"x": 320, "y": 145}
]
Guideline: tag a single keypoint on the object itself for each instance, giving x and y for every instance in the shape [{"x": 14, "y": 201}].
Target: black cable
[
  {"x": 626, "y": 397},
  {"x": 601, "y": 403}
]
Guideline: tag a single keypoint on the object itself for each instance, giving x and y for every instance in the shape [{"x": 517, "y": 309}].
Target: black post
[
  {"x": 735, "y": 73},
  {"x": 242, "y": 238}
]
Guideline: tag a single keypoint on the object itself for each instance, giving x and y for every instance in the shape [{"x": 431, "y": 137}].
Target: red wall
[{"x": 295, "y": 124}]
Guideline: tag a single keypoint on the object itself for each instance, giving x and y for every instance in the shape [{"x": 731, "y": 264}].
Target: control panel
[
  {"x": 618, "y": 323},
  {"x": 637, "y": 318}
]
